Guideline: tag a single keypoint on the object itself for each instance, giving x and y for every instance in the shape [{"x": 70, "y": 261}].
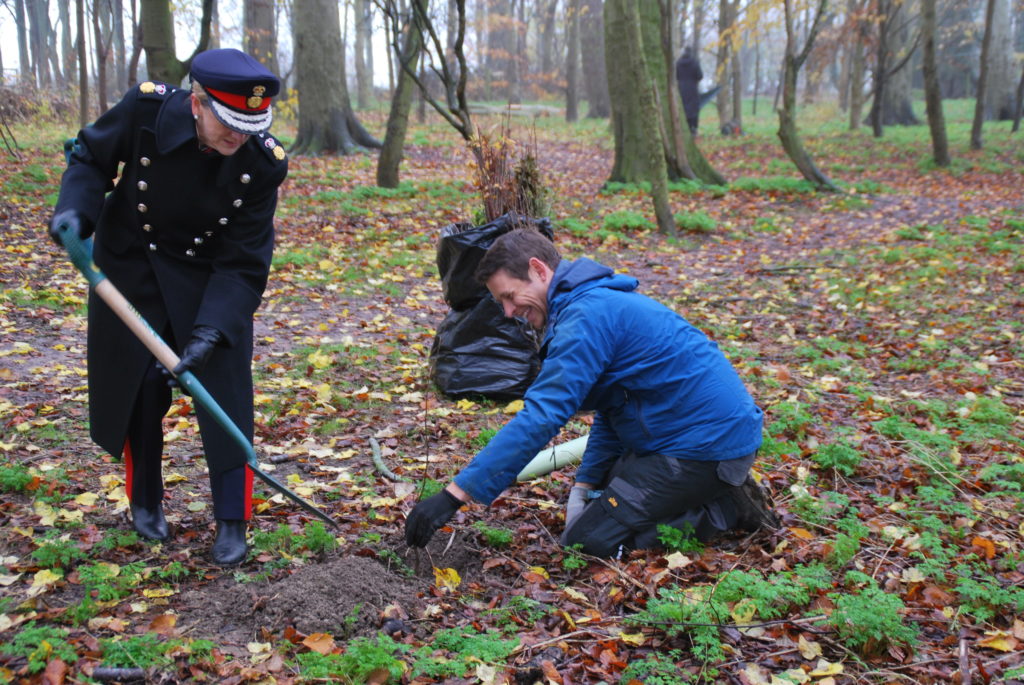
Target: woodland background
[{"x": 846, "y": 225}]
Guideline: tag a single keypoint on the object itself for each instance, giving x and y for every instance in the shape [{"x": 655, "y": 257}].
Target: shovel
[{"x": 80, "y": 252}]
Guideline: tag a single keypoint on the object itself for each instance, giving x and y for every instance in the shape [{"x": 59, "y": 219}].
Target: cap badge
[
  {"x": 161, "y": 88},
  {"x": 270, "y": 143},
  {"x": 256, "y": 100},
  {"x": 147, "y": 86},
  {"x": 279, "y": 153}
]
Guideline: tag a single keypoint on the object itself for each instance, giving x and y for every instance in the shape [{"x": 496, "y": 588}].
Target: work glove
[
  {"x": 429, "y": 515},
  {"x": 196, "y": 353},
  {"x": 73, "y": 221},
  {"x": 578, "y": 498}
]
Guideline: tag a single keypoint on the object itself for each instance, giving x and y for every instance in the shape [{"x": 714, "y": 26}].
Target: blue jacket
[{"x": 656, "y": 384}]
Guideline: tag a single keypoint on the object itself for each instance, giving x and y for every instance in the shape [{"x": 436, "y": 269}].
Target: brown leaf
[{"x": 55, "y": 672}]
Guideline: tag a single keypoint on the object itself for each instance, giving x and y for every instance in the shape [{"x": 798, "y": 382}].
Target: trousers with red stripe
[{"x": 143, "y": 454}]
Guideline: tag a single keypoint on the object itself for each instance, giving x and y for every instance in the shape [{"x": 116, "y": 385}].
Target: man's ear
[{"x": 542, "y": 270}]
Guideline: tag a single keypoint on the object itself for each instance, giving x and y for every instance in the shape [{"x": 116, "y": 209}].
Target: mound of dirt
[{"x": 343, "y": 596}]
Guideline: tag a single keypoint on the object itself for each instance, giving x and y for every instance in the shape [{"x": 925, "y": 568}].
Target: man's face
[
  {"x": 214, "y": 134},
  {"x": 523, "y": 299}
]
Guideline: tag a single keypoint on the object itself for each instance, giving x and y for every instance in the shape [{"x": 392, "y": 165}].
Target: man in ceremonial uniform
[{"x": 186, "y": 234}]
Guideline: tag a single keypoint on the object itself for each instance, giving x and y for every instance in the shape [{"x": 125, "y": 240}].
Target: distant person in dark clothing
[{"x": 688, "y": 76}]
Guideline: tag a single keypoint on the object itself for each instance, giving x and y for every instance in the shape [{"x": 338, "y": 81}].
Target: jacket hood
[{"x": 573, "y": 278}]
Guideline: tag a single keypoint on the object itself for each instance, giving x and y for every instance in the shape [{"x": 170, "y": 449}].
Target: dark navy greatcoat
[
  {"x": 688, "y": 76},
  {"x": 186, "y": 236}
]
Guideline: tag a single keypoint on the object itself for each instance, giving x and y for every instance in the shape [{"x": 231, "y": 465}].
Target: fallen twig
[{"x": 105, "y": 673}]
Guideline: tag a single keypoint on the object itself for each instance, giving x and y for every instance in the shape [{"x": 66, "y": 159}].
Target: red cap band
[{"x": 242, "y": 103}]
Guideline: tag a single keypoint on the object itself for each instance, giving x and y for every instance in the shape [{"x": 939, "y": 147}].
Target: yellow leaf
[
  {"x": 744, "y": 611},
  {"x": 635, "y": 639},
  {"x": 42, "y": 581},
  {"x": 802, "y": 533},
  {"x": 513, "y": 407},
  {"x": 540, "y": 571},
  {"x": 447, "y": 578},
  {"x": 574, "y": 595},
  {"x": 321, "y": 643},
  {"x": 158, "y": 592},
  {"x": 258, "y": 647},
  {"x": 999, "y": 640},
  {"x": 808, "y": 649},
  {"x": 465, "y": 405},
  {"x": 824, "y": 668},
  {"x": 793, "y": 675},
  {"x": 175, "y": 478},
  {"x": 47, "y": 516},
  {"x": 87, "y": 499},
  {"x": 319, "y": 360},
  {"x": 912, "y": 575},
  {"x": 323, "y": 393},
  {"x": 196, "y": 506}
]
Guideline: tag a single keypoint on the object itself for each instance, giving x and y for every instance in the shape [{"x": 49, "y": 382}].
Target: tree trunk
[
  {"x": 572, "y": 39},
  {"x": 259, "y": 32},
  {"x": 979, "y": 102},
  {"x": 398, "y": 118},
  {"x": 674, "y": 136},
  {"x": 326, "y": 120},
  {"x": 857, "y": 72},
  {"x": 737, "y": 92},
  {"x": 698, "y": 24},
  {"x": 932, "y": 93},
  {"x": 726, "y": 19},
  {"x": 66, "y": 42},
  {"x": 548, "y": 12},
  {"x": 1000, "y": 88},
  {"x": 157, "y": 25},
  {"x": 120, "y": 62},
  {"x": 630, "y": 164},
  {"x": 21, "y": 27},
  {"x": 897, "y": 107},
  {"x": 788, "y": 135},
  {"x": 363, "y": 84},
  {"x": 39, "y": 24},
  {"x": 595, "y": 75},
  {"x": 133, "y": 61},
  {"x": 83, "y": 66},
  {"x": 102, "y": 45},
  {"x": 643, "y": 91},
  {"x": 1019, "y": 104}
]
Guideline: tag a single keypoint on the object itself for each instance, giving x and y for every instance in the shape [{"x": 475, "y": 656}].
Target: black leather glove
[
  {"x": 196, "y": 353},
  {"x": 429, "y": 515},
  {"x": 73, "y": 221}
]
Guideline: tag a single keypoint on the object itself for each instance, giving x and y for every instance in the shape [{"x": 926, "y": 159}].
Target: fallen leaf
[
  {"x": 999, "y": 640},
  {"x": 321, "y": 643},
  {"x": 808, "y": 649},
  {"x": 447, "y": 578}
]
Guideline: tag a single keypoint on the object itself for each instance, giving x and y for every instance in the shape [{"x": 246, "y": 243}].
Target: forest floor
[{"x": 881, "y": 328}]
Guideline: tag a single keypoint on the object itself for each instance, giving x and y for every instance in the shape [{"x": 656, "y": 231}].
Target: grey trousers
[{"x": 644, "y": 492}]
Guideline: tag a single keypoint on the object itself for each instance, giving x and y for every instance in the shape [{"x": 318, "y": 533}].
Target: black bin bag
[{"x": 477, "y": 351}]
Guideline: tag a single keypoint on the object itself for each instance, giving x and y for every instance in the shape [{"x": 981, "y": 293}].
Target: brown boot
[{"x": 753, "y": 507}]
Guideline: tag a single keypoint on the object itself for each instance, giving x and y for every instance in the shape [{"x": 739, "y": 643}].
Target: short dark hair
[{"x": 513, "y": 251}]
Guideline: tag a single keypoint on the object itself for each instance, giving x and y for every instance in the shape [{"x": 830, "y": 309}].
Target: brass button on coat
[
  {"x": 190, "y": 252},
  {"x": 223, "y": 221},
  {"x": 237, "y": 203},
  {"x": 152, "y": 247},
  {"x": 147, "y": 228},
  {"x": 144, "y": 161},
  {"x": 197, "y": 240},
  {"x": 245, "y": 178},
  {"x": 143, "y": 208},
  {"x": 143, "y": 186}
]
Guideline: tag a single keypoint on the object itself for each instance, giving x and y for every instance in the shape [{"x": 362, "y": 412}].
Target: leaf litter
[{"x": 880, "y": 331}]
